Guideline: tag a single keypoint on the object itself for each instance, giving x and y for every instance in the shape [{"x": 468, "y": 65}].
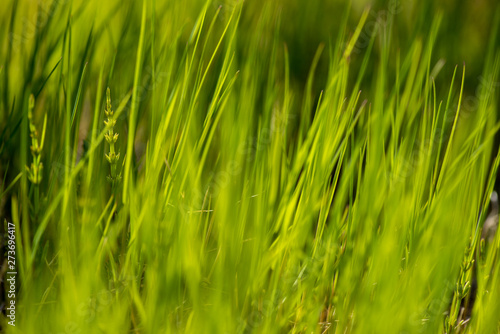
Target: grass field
[{"x": 249, "y": 167}]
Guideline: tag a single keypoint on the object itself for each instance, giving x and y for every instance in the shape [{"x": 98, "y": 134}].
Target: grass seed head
[
  {"x": 36, "y": 168},
  {"x": 111, "y": 138}
]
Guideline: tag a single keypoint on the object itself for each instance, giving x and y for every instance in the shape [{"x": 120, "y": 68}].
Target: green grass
[{"x": 283, "y": 167}]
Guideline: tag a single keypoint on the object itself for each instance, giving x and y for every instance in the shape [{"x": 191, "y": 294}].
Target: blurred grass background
[
  {"x": 257, "y": 198},
  {"x": 463, "y": 33}
]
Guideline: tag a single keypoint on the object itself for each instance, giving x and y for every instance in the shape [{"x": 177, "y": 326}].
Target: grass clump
[{"x": 332, "y": 176}]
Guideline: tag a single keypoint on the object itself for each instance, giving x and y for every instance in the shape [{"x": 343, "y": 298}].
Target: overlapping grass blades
[{"x": 255, "y": 198}]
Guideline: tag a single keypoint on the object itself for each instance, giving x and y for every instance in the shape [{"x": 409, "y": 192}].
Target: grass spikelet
[{"x": 111, "y": 137}]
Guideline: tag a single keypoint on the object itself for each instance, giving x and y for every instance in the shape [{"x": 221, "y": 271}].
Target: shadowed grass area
[{"x": 250, "y": 167}]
